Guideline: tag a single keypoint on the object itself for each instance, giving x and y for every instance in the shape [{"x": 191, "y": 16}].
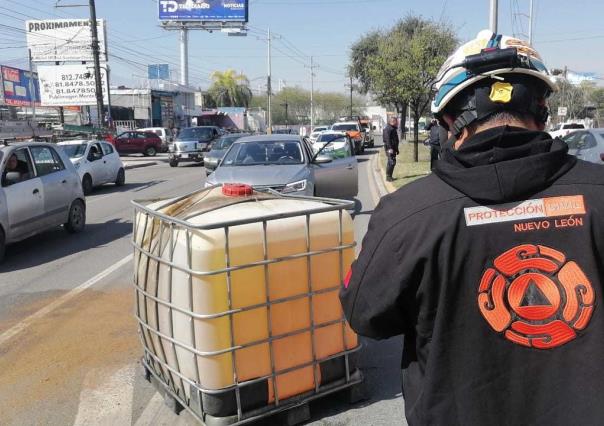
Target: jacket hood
[{"x": 504, "y": 164}]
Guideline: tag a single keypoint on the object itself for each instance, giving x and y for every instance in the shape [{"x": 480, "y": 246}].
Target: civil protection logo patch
[{"x": 535, "y": 297}]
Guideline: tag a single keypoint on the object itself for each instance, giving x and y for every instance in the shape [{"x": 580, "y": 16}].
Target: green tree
[
  {"x": 230, "y": 89},
  {"x": 401, "y": 71}
]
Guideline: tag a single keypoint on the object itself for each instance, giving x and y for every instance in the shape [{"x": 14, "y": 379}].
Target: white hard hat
[{"x": 488, "y": 56}]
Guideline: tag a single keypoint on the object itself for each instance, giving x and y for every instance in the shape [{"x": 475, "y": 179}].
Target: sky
[{"x": 565, "y": 33}]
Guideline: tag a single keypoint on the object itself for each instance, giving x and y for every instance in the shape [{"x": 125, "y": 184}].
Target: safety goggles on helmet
[{"x": 492, "y": 60}]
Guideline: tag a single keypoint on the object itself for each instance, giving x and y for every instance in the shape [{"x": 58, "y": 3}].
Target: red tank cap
[{"x": 237, "y": 190}]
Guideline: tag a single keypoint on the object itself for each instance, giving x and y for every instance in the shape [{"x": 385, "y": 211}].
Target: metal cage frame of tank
[{"x": 151, "y": 361}]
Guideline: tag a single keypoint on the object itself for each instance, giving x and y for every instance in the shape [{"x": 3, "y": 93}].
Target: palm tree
[{"x": 230, "y": 89}]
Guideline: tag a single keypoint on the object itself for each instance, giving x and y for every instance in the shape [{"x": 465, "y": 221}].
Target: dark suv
[
  {"x": 133, "y": 142},
  {"x": 192, "y": 143}
]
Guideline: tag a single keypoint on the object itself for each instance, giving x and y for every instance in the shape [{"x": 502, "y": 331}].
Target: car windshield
[
  {"x": 330, "y": 137},
  {"x": 75, "y": 150},
  {"x": 195, "y": 133},
  {"x": 225, "y": 142},
  {"x": 344, "y": 127},
  {"x": 264, "y": 153},
  {"x": 574, "y": 126}
]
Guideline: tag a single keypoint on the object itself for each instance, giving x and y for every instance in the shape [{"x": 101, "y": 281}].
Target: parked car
[
  {"x": 219, "y": 148},
  {"x": 353, "y": 128},
  {"x": 40, "y": 189},
  {"x": 97, "y": 163},
  {"x": 587, "y": 145},
  {"x": 135, "y": 142},
  {"x": 288, "y": 165},
  {"x": 564, "y": 129},
  {"x": 193, "y": 143},
  {"x": 316, "y": 132},
  {"x": 165, "y": 134}
]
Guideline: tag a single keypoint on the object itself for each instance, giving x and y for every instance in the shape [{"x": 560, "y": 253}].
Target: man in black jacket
[
  {"x": 438, "y": 136},
  {"x": 491, "y": 266},
  {"x": 391, "y": 143}
]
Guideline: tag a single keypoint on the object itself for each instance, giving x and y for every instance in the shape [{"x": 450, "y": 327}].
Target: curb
[
  {"x": 138, "y": 166},
  {"x": 384, "y": 187}
]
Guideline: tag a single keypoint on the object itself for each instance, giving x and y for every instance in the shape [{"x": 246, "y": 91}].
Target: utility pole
[
  {"x": 32, "y": 86},
  {"x": 493, "y": 15},
  {"x": 286, "y": 106},
  {"x": 531, "y": 16},
  {"x": 184, "y": 56},
  {"x": 269, "y": 89},
  {"x": 97, "y": 62},
  {"x": 312, "y": 91},
  {"x": 351, "y": 89}
]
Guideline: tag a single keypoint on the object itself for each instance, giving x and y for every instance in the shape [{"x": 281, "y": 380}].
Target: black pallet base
[{"x": 290, "y": 414}]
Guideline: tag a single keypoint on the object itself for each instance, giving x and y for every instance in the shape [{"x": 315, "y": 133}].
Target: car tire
[
  {"x": 76, "y": 222},
  {"x": 173, "y": 163},
  {"x": 150, "y": 151},
  {"x": 87, "y": 184},
  {"x": 121, "y": 178},
  {"x": 2, "y": 244}
]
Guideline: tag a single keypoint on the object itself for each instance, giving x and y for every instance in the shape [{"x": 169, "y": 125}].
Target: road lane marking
[
  {"x": 18, "y": 328},
  {"x": 107, "y": 403},
  {"x": 153, "y": 412}
]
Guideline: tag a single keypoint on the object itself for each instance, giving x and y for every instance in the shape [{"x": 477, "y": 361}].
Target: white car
[
  {"x": 97, "y": 163},
  {"x": 564, "y": 129}
]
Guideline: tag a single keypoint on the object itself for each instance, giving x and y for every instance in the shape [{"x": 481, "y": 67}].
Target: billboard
[
  {"x": 63, "y": 40},
  {"x": 203, "y": 10},
  {"x": 69, "y": 85},
  {"x": 159, "y": 72},
  {"x": 19, "y": 88}
]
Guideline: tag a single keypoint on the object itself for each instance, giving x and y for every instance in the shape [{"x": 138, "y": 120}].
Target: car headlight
[
  {"x": 295, "y": 186},
  {"x": 209, "y": 184}
]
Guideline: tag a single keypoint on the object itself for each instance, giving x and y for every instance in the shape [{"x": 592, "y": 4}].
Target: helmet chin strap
[{"x": 464, "y": 120}]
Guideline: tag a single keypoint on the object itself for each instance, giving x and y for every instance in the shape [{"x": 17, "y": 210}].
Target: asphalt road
[{"x": 69, "y": 347}]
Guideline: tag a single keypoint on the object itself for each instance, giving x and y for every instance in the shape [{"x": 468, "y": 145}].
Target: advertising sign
[
  {"x": 64, "y": 40},
  {"x": 18, "y": 89},
  {"x": 159, "y": 72},
  {"x": 69, "y": 85},
  {"x": 203, "y": 10}
]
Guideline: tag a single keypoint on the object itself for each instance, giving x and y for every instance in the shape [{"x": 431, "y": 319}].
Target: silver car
[
  {"x": 40, "y": 189},
  {"x": 287, "y": 164},
  {"x": 587, "y": 145}
]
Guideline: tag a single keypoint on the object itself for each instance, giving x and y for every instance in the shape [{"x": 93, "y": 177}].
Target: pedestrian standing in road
[
  {"x": 391, "y": 142},
  {"x": 491, "y": 267},
  {"x": 434, "y": 141}
]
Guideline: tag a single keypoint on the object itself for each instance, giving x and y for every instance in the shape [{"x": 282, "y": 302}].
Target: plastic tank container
[{"x": 237, "y": 298}]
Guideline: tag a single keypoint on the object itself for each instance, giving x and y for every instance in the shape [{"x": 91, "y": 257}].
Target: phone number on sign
[
  {"x": 75, "y": 77},
  {"x": 79, "y": 91},
  {"x": 87, "y": 83}
]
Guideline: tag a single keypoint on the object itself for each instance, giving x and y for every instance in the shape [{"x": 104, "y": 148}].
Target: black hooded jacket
[{"x": 492, "y": 267}]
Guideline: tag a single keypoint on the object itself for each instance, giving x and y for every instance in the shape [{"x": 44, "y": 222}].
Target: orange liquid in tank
[{"x": 248, "y": 287}]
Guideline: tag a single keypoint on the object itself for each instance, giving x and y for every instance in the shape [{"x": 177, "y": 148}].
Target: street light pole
[
  {"x": 493, "y": 15},
  {"x": 269, "y": 89},
  {"x": 312, "y": 94},
  {"x": 97, "y": 62}
]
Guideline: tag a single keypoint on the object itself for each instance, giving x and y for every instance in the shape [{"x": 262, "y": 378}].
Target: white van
[{"x": 165, "y": 134}]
